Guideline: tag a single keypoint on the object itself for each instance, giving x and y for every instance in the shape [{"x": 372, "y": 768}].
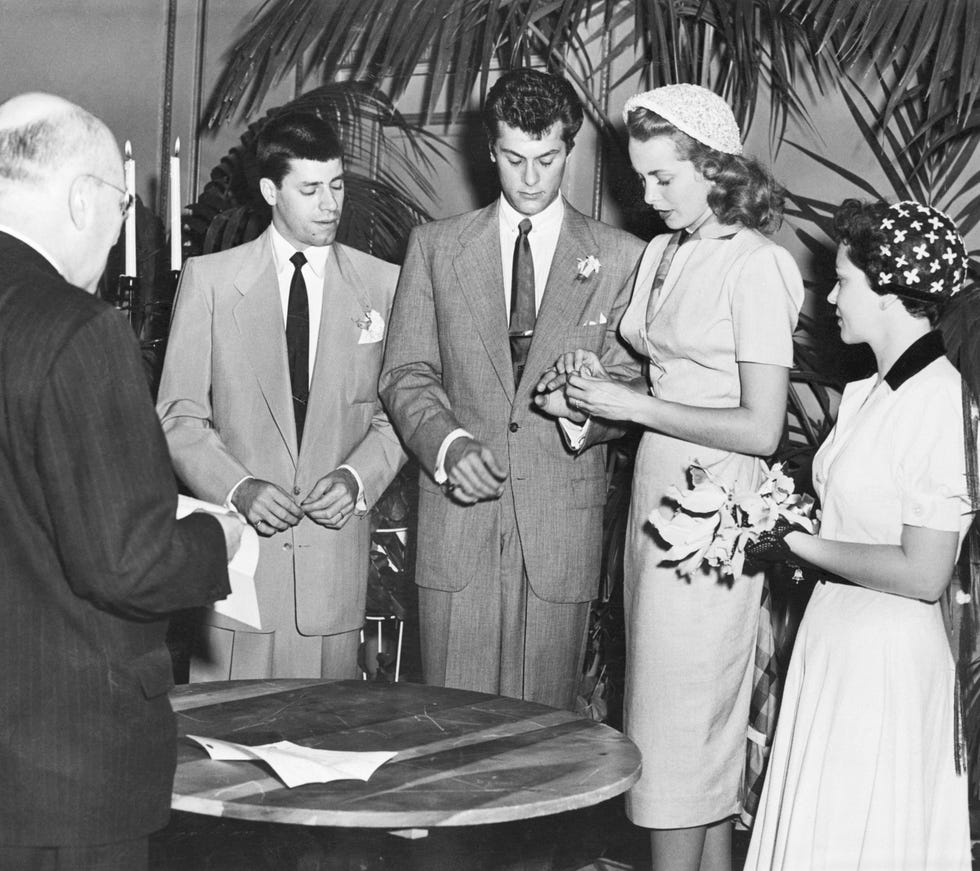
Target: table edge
[{"x": 368, "y": 819}]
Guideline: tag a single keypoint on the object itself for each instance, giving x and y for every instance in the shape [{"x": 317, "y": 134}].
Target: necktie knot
[
  {"x": 298, "y": 259},
  {"x": 524, "y": 227}
]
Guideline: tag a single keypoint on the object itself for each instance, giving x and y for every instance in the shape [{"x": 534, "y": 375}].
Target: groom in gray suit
[{"x": 510, "y": 514}]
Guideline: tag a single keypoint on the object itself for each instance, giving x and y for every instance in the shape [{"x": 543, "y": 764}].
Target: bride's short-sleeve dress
[
  {"x": 862, "y": 772},
  {"x": 731, "y": 296}
]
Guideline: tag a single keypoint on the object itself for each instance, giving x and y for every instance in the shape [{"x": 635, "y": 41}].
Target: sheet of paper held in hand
[
  {"x": 241, "y": 604},
  {"x": 296, "y": 765}
]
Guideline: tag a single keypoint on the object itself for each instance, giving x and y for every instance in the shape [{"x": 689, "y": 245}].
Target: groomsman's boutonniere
[
  {"x": 365, "y": 322},
  {"x": 588, "y": 266},
  {"x": 372, "y": 327}
]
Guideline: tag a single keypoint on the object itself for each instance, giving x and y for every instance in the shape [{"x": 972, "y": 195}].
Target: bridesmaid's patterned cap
[
  {"x": 693, "y": 110},
  {"x": 923, "y": 256}
]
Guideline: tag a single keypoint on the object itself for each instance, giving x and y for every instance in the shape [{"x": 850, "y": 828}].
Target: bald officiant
[
  {"x": 269, "y": 402},
  {"x": 92, "y": 559}
]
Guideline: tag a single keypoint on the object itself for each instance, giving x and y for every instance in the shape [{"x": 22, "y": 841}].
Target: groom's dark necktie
[
  {"x": 298, "y": 343},
  {"x": 522, "y": 308}
]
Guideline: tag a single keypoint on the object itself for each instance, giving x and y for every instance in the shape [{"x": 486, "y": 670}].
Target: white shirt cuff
[
  {"x": 231, "y": 493},
  {"x": 360, "y": 504},
  {"x": 441, "y": 475},
  {"x": 574, "y": 433}
]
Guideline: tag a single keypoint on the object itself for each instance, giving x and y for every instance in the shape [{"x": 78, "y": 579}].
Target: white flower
[
  {"x": 588, "y": 265},
  {"x": 687, "y": 535},
  {"x": 711, "y": 525}
]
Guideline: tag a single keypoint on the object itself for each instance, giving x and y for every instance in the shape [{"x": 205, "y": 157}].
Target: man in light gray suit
[
  {"x": 510, "y": 516},
  {"x": 269, "y": 401}
]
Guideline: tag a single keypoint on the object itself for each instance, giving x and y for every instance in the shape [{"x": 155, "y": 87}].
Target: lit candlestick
[
  {"x": 129, "y": 173},
  {"x": 176, "y": 257}
]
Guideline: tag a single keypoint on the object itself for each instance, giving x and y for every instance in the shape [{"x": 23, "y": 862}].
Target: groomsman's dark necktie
[
  {"x": 522, "y": 310},
  {"x": 298, "y": 343}
]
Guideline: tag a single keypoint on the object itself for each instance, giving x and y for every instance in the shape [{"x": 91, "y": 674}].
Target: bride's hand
[{"x": 601, "y": 396}]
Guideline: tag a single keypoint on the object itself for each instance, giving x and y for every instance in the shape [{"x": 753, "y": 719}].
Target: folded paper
[{"x": 296, "y": 765}]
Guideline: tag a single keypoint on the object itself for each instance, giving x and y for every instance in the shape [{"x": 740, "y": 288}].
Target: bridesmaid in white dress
[
  {"x": 862, "y": 773},
  {"x": 712, "y": 318}
]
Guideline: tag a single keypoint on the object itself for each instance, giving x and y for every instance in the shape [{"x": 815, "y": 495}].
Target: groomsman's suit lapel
[
  {"x": 345, "y": 306},
  {"x": 259, "y": 314}
]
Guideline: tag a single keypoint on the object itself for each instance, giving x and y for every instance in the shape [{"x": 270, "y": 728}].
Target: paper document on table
[
  {"x": 241, "y": 603},
  {"x": 297, "y": 765}
]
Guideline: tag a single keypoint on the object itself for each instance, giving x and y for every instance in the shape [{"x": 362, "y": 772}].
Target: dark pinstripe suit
[{"x": 91, "y": 560}]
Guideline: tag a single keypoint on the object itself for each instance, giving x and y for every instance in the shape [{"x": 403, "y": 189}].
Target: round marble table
[{"x": 463, "y": 758}]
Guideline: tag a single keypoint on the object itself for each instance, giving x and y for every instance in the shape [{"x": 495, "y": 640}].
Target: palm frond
[
  {"x": 921, "y": 159},
  {"x": 914, "y": 35},
  {"x": 732, "y": 46}
]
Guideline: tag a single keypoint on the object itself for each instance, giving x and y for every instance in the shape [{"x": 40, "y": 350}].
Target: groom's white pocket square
[
  {"x": 602, "y": 320},
  {"x": 372, "y": 328}
]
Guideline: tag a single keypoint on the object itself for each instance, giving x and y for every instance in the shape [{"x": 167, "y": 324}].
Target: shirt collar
[
  {"x": 712, "y": 228},
  {"x": 915, "y": 358},
  {"x": 549, "y": 216},
  {"x": 10, "y": 231},
  {"x": 282, "y": 250}
]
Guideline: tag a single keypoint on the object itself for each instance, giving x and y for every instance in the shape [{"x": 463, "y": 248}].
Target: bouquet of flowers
[{"x": 712, "y": 523}]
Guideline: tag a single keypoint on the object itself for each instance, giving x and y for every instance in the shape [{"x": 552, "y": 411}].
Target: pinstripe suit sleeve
[{"x": 107, "y": 480}]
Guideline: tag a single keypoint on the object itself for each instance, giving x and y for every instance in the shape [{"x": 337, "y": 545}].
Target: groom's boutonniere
[{"x": 588, "y": 266}]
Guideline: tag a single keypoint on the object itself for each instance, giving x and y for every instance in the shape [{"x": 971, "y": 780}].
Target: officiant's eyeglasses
[{"x": 126, "y": 203}]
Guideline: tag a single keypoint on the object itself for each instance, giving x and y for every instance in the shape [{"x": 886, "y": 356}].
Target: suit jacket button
[
  {"x": 514, "y": 426},
  {"x": 296, "y": 491},
  {"x": 287, "y": 546}
]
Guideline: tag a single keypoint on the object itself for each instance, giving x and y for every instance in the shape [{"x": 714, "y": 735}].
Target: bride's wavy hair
[{"x": 743, "y": 190}]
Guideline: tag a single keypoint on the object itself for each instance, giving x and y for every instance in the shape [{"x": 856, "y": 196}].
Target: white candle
[
  {"x": 129, "y": 173},
  {"x": 176, "y": 257}
]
